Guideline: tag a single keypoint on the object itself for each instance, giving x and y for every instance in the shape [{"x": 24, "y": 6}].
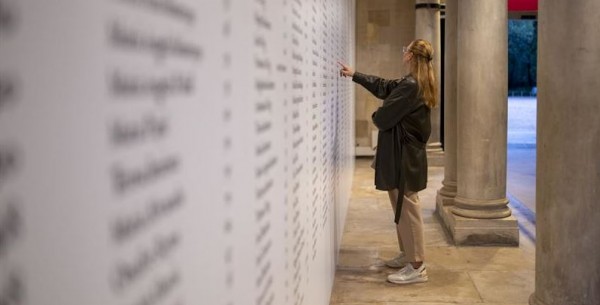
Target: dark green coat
[{"x": 404, "y": 127}]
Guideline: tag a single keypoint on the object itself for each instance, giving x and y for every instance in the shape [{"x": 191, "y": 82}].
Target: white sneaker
[
  {"x": 408, "y": 275},
  {"x": 397, "y": 262}
]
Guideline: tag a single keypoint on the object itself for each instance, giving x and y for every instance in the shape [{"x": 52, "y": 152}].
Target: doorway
[{"x": 522, "y": 112}]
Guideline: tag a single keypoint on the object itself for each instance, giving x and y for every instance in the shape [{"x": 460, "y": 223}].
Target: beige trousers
[{"x": 410, "y": 227}]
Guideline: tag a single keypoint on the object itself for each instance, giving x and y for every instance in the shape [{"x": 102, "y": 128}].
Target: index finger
[{"x": 341, "y": 64}]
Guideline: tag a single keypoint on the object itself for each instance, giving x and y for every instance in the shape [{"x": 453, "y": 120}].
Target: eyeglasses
[{"x": 405, "y": 50}]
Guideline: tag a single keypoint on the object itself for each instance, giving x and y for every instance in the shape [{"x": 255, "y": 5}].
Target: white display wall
[{"x": 173, "y": 151}]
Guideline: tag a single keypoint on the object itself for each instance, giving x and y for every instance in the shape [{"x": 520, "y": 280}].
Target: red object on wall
[{"x": 522, "y": 5}]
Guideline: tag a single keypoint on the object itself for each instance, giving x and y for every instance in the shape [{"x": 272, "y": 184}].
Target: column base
[
  {"x": 444, "y": 198},
  {"x": 533, "y": 300},
  {"x": 442, "y": 201},
  {"x": 448, "y": 191},
  {"x": 478, "y": 232},
  {"x": 435, "y": 157}
]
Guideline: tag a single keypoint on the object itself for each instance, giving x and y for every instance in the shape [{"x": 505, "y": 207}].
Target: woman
[{"x": 401, "y": 161}]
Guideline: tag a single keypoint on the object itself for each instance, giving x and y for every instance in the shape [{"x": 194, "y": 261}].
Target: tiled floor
[{"x": 457, "y": 275}]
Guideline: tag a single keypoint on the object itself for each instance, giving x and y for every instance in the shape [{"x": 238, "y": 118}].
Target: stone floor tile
[
  {"x": 435, "y": 235},
  {"x": 364, "y": 259},
  {"x": 372, "y": 287},
  {"x": 370, "y": 239},
  {"x": 496, "y": 258},
  {"x": 370, "y": 227},
  {"x": 444, "y": 258},
  {"x": 504, "y": 286}
]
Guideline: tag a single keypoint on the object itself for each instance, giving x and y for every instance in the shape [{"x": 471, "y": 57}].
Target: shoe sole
[{"x": 413, "y": 281}]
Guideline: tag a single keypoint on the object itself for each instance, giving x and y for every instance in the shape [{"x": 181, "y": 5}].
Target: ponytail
[{"x": 423, "y": 71}]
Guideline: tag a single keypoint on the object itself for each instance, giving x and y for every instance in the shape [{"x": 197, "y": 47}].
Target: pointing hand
[{"x": 346, "y": 71}]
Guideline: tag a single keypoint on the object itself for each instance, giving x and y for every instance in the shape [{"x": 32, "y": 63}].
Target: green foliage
[{"x": 522, "y": 53}]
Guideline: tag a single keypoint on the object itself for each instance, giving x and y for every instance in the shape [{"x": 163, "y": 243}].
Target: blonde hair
[{"x": 421, "y": 68}]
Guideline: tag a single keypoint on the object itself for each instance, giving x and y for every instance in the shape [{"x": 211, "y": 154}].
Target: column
[
  {"x": 480, "y": 206},
  {"x": 568, "y": 171},
  {"x": 446, "y": 194},
  {"x": 427, "y": 26}
]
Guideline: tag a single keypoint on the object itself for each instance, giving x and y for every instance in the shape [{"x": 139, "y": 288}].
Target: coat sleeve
[
  {"x": 397, "y": 105},
  {"x": 379, "y": 87}
]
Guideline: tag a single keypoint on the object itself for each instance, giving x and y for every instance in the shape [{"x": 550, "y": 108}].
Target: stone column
[
  {"x": 481, "y": 215},
  {"x": 568, "y": 142},
  {"x": 445, "y": 196},
  {"x": 427, "y": 26}
]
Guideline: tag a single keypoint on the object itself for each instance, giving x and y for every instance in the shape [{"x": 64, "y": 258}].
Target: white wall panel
[{"x": 173, "y": 151}]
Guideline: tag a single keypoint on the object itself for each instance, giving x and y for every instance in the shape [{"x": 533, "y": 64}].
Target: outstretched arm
[{"x": 379, "y": 87}]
